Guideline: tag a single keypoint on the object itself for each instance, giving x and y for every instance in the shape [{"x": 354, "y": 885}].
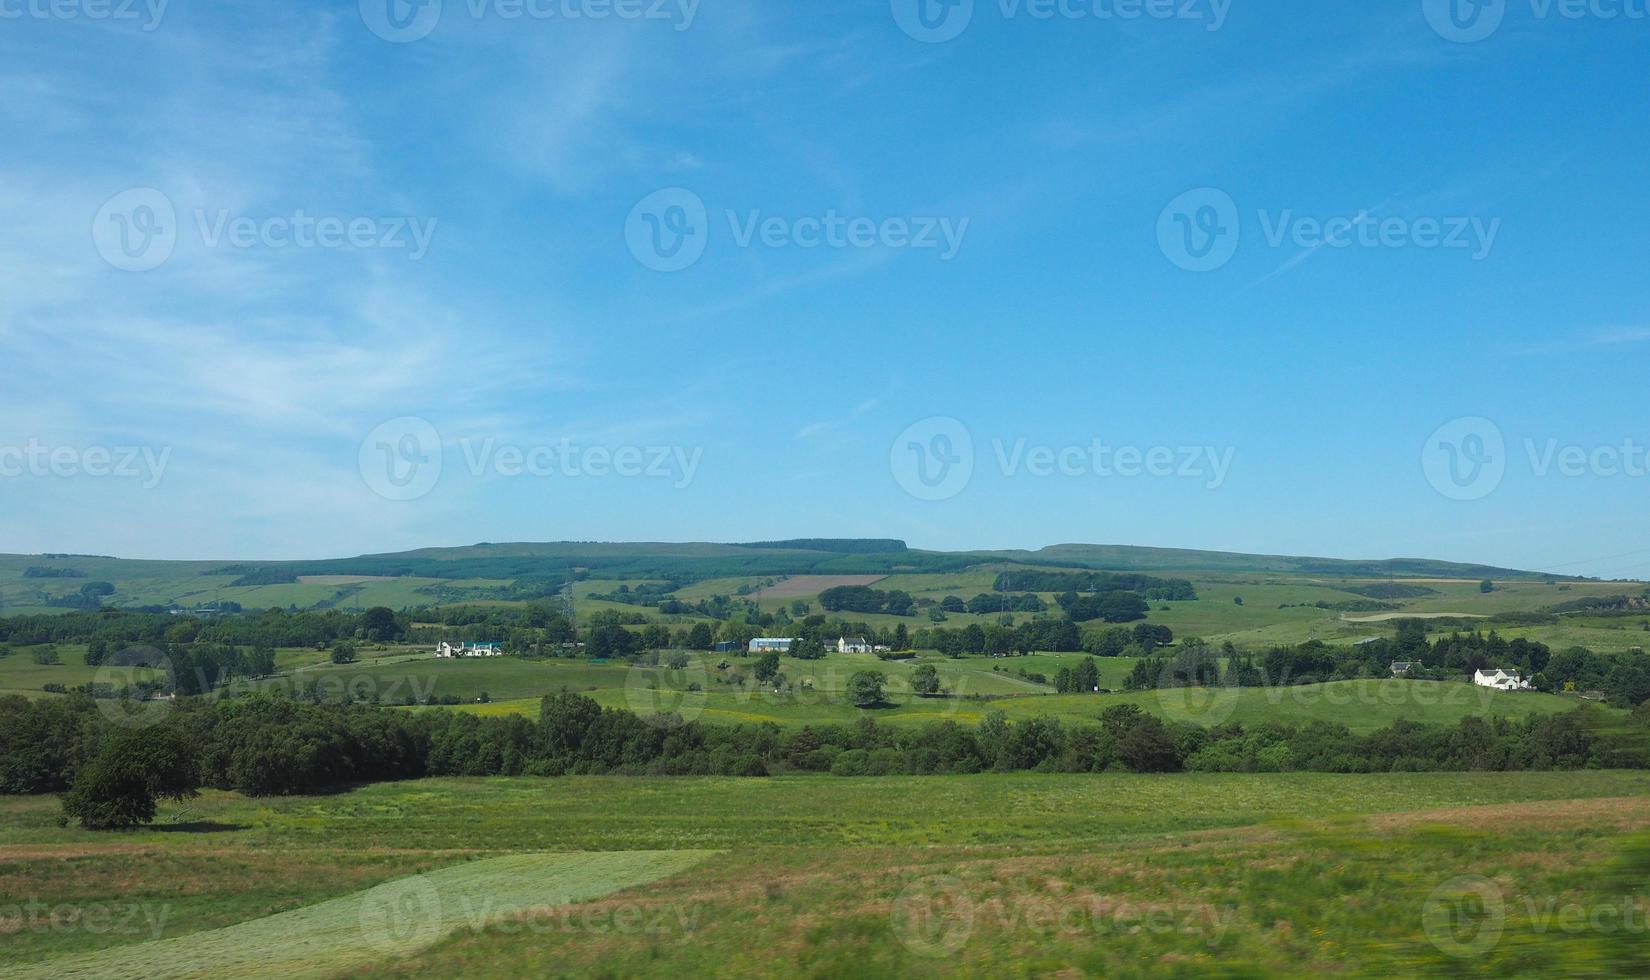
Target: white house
[
  {"x": 852, "y": 644},
  {"x": 1500, "y": 680},
  {"x": 771, "y": 644},
  {"x": 452, "y": 651}
]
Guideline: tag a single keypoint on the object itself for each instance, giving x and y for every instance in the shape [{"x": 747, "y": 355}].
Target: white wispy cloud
[{"x": 1605, "y": 338}]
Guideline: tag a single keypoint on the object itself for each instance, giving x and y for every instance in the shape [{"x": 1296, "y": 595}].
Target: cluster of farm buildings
[
  {"x": 460, "y": 651},
  {"x": 1497, "y": 679},
  {"x": 782, "y": 644}
]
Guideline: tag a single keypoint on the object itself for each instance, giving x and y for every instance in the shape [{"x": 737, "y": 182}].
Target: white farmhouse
[
  {"x": 852, "y": 644},
  {"x": 1500, "y": 680},
  {"x": 455, "y": 651}
]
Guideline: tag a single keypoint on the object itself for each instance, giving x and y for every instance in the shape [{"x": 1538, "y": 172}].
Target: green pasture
[
  {"x": 20, "y": 674},
  {"x": 815, "y": 875}
]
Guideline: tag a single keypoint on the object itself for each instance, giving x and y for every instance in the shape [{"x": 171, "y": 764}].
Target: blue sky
[{"x": 257, "y": 389}]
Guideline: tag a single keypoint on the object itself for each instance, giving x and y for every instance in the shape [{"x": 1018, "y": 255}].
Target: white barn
[{"x": 771, "y": 644}]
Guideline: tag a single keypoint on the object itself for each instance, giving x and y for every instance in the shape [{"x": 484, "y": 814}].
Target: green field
[
  {"x": 1279, "y": 593},
  {"x": 976, "y": 685},
  {"x": 901, "y": 876},
  {"x": 989, "y": 875},
  {"x": 21, "y": 674},
  {"x": 402, "y": 917}
]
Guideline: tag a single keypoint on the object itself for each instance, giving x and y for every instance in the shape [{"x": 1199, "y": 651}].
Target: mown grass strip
[{"x": 397, "y": 918}]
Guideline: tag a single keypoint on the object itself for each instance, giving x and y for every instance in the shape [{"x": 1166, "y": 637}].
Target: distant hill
[
  {"x": 1132, "y": 559},
  {"x": 525, "y": 570}
]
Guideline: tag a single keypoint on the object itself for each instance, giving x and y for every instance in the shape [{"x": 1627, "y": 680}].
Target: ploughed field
[{"x": 1505, "y": 874}]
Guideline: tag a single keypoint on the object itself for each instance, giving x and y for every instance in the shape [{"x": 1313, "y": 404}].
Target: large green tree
[
  {"x": 378, "y": 623},
  {"x": 865, "y": 689},
  {"x": 118, "y": 789}
]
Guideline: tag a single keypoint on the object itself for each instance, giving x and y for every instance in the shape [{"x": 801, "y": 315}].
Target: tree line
[
  {"x": 1161, "y": 589},
  {"x": 1622, "y": 679},
  {"x": 113, "y": 775}
]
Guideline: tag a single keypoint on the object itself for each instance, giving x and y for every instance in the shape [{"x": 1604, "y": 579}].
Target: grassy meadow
[
  {"x": 1449, "y": 874},
  {"x": 1437, "y": 874}
]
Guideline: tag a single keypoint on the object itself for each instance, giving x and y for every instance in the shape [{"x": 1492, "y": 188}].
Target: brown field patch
[
  {"x": 799, "y": 586},
  {"x": 1624, "y": 813}
]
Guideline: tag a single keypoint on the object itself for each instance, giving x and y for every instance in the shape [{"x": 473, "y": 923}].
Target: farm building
[
  {"x": 725, "y": 646},
  {"x": 1500, "y": 680},
  {"x": 771, "y": 644},
  {"x": 1401, "y": 667},
  {"x": 455, "y": 651},
  {"x": 852, "y": 644}
]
